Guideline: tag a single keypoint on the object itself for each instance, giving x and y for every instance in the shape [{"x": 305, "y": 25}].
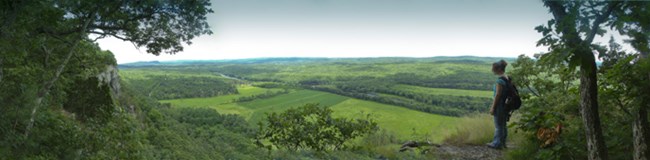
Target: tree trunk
[
  {"x": 640, "y": 130},
  {"x": 1, "y": 73},
  {"x": 589, "y": 109},
  {"x": 46, "y": 88},
  {"x": 588, "y": 70},
  {"x": 48, "y": 84}
]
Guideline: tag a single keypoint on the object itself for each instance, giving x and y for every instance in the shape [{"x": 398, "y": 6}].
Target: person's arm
[{"x": 496, "y": 98}]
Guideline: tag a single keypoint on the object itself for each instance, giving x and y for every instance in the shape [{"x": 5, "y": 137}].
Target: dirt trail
[
  {"x": 454, "y": 152},
  {"x": 466, "y": 152}
]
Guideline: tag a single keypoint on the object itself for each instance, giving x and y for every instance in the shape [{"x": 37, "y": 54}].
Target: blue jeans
[{"x": 501, "y": 130}]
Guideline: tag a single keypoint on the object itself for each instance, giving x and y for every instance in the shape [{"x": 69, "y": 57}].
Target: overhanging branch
[{"x": 599, "y": 20}]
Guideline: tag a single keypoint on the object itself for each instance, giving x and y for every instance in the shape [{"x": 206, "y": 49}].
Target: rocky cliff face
[
  {"x": 94, "y": 97},
  {"x": 111, "y": 78}
]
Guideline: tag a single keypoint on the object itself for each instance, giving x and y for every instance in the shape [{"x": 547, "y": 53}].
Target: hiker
[{"x": 498, "y": 109}]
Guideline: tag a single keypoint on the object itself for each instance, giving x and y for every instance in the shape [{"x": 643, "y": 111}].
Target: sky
[{"x": 358, "y": 28}]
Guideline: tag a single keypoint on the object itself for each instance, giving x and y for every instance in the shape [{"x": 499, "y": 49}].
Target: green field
[
  {"x": 401, "y": 121},
  {"x": 284, "y": 102},
  {"x": 408, "y": 97},
  {"x": 443, "y": 91},
  {"x": 223, "y": 104},
  {"x": 452, "y": 86}
]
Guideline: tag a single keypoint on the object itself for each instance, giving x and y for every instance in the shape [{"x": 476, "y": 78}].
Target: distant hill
[{"x": 440, "y": 59}]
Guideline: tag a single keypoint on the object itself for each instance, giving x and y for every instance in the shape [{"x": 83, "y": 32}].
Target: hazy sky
[{"x": 359, "y": 28}]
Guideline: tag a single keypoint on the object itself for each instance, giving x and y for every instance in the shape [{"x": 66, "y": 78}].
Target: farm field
[
  {"x": 406, "y": 96},
  {"x": 404, "y": 122},
  {"x": 410, "y": 98},
  {"x": 398, "y": 120},
  {"x": 452, "y": 86},
  {"x": 223, "y": 104},
  {"x": 443, "y": 91}
]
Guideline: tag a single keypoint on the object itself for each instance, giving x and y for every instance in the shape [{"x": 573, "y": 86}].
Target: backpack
[{"x": 513, "y": 101}]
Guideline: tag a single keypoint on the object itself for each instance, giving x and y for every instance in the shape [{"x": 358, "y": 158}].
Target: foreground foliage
[
  {"x": 570, "y": 37},
  {"x": 312, "y": 127},
  {"x": 552, "y": 102}
]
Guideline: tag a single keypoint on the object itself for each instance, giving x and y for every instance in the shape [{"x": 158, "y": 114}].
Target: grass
[
  {"x": 475, "y": 130},
  {"x": 405, "y": 123},
  {"x": 211, "y": 101},
  {"x": 443, "y": 91},
  {"x": 223, "y": 104},
  {"x": 478, "y": 129},
  {"x": 286, "y": 101}
]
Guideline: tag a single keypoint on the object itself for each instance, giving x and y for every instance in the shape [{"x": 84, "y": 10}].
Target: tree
[
  {"x": 54, "y": 30},
  {"x": 312, "y": 126},
  {"x": 569, "y": 36},
  {"x": 633, "y": 20},
  {"x": 624, "y": 85}
]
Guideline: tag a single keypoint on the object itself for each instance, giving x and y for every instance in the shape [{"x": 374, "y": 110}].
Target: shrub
[{"x": 312, "y": 127}]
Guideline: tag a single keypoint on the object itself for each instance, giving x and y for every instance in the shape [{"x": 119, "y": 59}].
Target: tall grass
[
  {"x": 385, "y": 144},
  {"x": 475, "y": 129},
  {"x": 478, "y": 129}
]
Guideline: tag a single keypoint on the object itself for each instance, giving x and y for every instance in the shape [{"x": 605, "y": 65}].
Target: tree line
[
  {"x": 267, "y": 94},
  {"x": 174, "y": 87}
]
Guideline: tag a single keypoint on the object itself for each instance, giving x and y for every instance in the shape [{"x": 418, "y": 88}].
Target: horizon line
[{"x": 235, "y": 59}]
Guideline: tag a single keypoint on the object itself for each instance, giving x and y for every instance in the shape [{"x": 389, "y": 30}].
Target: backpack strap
[
  {"x": 508, "y": 85},
  {"x": 507, "y": 80}
]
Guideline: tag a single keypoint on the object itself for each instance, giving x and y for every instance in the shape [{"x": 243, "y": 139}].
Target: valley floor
[{"x": 407, "y": 124}]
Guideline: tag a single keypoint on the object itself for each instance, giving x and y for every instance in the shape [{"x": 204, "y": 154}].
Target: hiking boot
[{"x": 489, "y": 145}]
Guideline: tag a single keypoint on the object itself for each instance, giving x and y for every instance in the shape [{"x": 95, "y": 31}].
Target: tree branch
[
  {"x": 599, "y": 20},
  {"x": 107, "y": 28},
  {"x": 103, "y": 34},
  {"x": 58, "y": 33},
  {"x": 48, "y": 85},
  {"x": 47, "y": 55},
  {"x": 622, "y": 106},
  {"x": 557, "y": 9},
  {"x": 559, "y": 13},
  {"x": 532, "y": 91}
]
